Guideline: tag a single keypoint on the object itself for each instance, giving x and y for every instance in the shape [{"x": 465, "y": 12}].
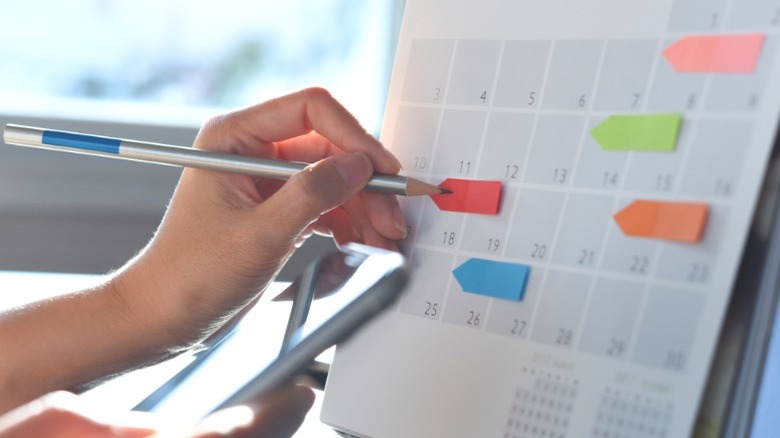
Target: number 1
[{"x": 637, "y": 96}]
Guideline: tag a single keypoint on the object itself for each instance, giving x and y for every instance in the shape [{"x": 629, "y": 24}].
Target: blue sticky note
[{"x": 493, "y": 279}]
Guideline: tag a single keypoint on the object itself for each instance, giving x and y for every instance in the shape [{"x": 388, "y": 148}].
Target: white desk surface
[{"x": 124, "y": 392}]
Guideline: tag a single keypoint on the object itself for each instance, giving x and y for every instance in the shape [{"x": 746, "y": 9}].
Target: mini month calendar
[{"x": 624, "y": 143}]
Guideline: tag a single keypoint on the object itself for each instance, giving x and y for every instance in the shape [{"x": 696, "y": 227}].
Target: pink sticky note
[
  {"x": 715, "y": 53},
  {"x": 469, "y": 196}
]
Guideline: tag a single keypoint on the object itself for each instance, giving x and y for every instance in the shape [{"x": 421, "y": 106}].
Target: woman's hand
[
  {"x": 225, "y": 236},
  {"x": 223, "y": 239}
]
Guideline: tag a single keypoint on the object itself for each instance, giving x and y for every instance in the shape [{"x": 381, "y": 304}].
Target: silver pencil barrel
[{"x": 175, "y": 155}]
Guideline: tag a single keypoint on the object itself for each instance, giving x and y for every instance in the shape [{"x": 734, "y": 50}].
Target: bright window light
[{"x": 177, "y": 61}]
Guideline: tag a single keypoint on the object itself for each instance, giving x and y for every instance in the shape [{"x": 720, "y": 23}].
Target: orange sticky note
[
  {"x": 676, "y": 221},
  {"x": 715, "y": 53},
  {"x": 469, "y": 196}
]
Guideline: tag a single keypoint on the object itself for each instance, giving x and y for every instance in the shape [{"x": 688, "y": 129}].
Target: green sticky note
[{"x": 639, "y": 132}]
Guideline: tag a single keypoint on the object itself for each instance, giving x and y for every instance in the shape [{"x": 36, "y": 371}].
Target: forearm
[{"x": 75, "y": 339}]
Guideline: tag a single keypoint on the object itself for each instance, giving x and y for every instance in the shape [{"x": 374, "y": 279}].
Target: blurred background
[{"x": 155, "y": 70}]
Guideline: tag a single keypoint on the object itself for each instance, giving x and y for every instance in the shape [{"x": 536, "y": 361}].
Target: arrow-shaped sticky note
[
  {"x": 638, "y": 132},
  {"x": 469, "y": 196},
  {"x": 492, "y": 278},
  {"x": 676, "y": 221},
  {"x": 715, "y": 53}
]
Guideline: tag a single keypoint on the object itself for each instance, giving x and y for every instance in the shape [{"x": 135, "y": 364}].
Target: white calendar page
[{"x": 613, "y": 334}]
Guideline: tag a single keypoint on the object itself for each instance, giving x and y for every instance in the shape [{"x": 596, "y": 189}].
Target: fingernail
[
  {"x": 389, "y": 154},
  {"x": 395, "y": 160},
  {"x": 355, "y": 168},
  {"x": 398, "y": 220}
]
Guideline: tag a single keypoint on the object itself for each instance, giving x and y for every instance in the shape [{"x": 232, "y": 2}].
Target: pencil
[{"x": 190, "y": 157}]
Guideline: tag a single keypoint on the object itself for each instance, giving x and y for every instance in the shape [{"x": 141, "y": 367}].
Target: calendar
[{"x": 628, "y": 140}]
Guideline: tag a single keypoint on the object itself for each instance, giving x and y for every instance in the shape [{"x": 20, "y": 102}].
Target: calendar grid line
[
  {"x": 745, "y": 115},
  {"x": 448, "y": 282},
  {"x": 542, "y": 86},
  {"x": 720, "y": 200},
  {"x": 482, "y": 147},
  {"x": 594, "y": 276},
  {"x": 634, "y": 278},
  {"x": 677, "y": 185},
  {"x": 621, "y": 194}
]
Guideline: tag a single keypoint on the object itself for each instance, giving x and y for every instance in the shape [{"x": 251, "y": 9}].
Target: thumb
[{"x": 317, "y": 189}]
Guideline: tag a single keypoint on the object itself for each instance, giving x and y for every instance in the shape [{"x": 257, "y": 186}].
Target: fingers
[
  {"x": 278, "y": 414},
  {"x": 310, "y": 193},
  {"x": 64, "y": 415},
  {"x": 337, "y": 224},
  {"x": 297, "y": 114},
  {"x": 308, "y": 126},
  {"x": 385, "y": 214},
  {"x": 361, "y": 219},
  {"x": 358, "y": 225}
]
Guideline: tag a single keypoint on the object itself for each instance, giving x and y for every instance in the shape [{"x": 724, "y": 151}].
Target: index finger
[{"x": 303, "y": 111}]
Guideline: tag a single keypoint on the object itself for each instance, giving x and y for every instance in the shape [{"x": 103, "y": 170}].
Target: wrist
[
  {"x": 148, "y": 302},
  {"x": 177, "y": 298}
]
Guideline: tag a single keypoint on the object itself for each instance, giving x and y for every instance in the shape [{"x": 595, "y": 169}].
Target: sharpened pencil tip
[
  {"x": 416, "y": 187},
  {"x": 443, "y": 191}
]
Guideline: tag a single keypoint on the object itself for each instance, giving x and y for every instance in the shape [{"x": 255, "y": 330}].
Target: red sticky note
[
  {"x": 715, "y": 53},
  {"x": 675, "y": 221},
  {"x": 469, "y": 196}
]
